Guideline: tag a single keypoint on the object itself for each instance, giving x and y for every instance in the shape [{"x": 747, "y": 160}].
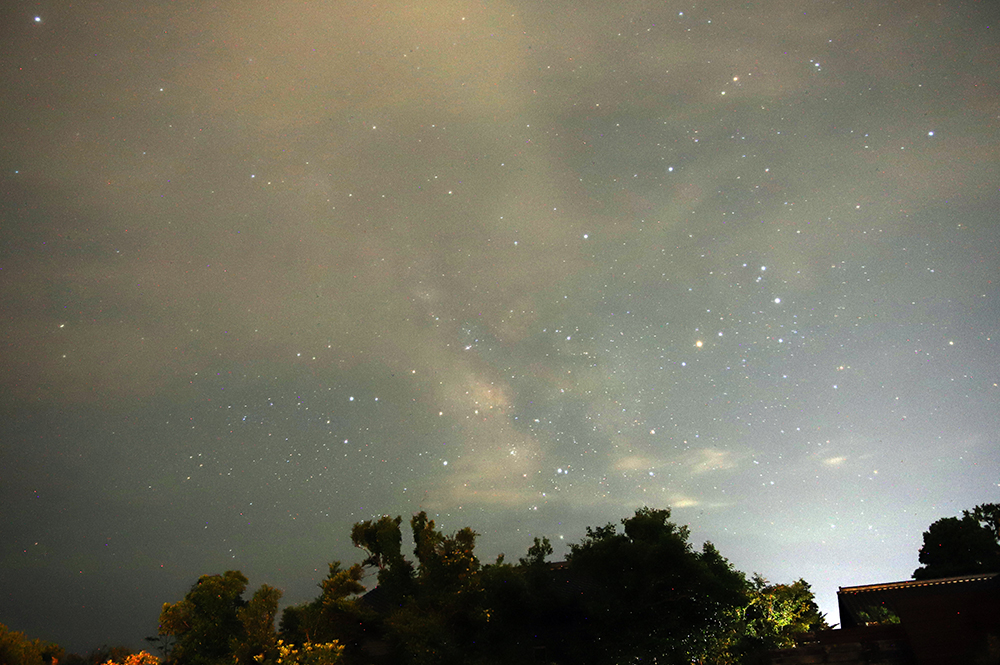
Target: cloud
[
  {"x": 286, "y": 65},
  {"x": 634, "y": 463},
  {"x": 709, "y": 459},
  {"x": 684, "y": 502}
]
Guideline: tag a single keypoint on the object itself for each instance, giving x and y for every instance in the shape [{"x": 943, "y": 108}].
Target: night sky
[{"x": 271, "y": 268}]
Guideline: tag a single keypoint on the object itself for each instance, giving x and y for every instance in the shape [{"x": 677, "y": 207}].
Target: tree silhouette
[
  {"x": 962, "y": 546},
  {"x": 650, "y": 594}
]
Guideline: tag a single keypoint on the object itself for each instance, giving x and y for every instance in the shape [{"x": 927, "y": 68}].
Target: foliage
[
  {"x": 877, "y": 615},
  {"x": 537, "y": 553},
  {"x": 962, "y": 546},
  {"x": 141, "y": 658},
  {"x": 439, "y": 614},
  {"x": 381, "y": 539},
  {"x": 17, "y": 649},
  {"x": 785, "y": 610},
  {"x": 334, "y": 612},
  {"x": 205, "y": 622},
  {"x": 634, "y": 592},
  {"x": 988, "y": 516},
  {"x": 653, "y": 595},
  {"x": 257, "y": 638},
  {"x": 214, "y": 624},
  {"x": 98, "y": 656},
  {"x": 772, "y": 616},
  {"x": 447, "y": 563},
  {"x": 340, "y": 584},
  {"x": 308, "y": 653},
  {"x": 639, "y": 593}
]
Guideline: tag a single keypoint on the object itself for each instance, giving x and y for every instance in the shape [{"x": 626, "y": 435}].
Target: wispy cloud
[{"x": 709, "y": 459}]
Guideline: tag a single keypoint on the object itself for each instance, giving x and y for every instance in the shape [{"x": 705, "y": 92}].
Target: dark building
[{"x": 947, "y": 621}]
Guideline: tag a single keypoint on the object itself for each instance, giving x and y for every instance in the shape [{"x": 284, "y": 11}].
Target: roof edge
[{"x": 918, "y": 583}]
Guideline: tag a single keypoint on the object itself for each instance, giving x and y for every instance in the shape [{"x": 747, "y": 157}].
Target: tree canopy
[
  {"x": 653, "y": 594},
  {"x": 967, "y": 545},
  {"x": 213, "y": 624},
  {"x": 635, "y": 591},
  {"x": 17, "y": 649}
]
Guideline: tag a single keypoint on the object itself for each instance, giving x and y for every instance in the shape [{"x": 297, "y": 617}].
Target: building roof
[
  {"x": 912, "y": 584},
  {"x": 946, "y": 620}
]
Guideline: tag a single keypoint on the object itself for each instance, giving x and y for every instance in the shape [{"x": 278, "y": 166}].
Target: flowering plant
[
  {"x": 141, "y": 658},
  {"x": 309, "y": 653}
]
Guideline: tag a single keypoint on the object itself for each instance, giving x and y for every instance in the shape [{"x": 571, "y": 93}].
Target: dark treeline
[
  {"x": 637, "y": 592},
  {"x": 634, "y": 592},
  {"x": 17, "y": 649}
]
